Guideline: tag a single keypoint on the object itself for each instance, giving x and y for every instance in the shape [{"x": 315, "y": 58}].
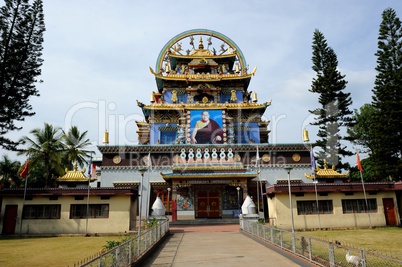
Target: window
[
  {"x": 41, "y": 212},
  {"x": 168, "y": 137},
  {"x": 225, "y": 98},
  {"x": 359, "y": 205},
  {"x": 95, "y": 211},
  {"x": 167, "y": 134},
  {"x": 182, "y": 98},
  {"x": 309, "y": 207}
]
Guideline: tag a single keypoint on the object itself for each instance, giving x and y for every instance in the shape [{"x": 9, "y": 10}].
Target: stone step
[{"x": 206, "y": 221}]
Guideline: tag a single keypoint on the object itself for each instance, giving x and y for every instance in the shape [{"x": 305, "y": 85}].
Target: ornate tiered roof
[
  {"x": 75, "y": 176},
  {"x": 202, "y": 164},
  {"x": 327, "y": 173}
]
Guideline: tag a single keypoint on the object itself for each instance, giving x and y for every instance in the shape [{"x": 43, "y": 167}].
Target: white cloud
[{"x": 99, "y": 51}]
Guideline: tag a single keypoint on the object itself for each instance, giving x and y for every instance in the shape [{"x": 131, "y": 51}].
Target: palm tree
[
  {"x": 45, "y": 148},
  {"x": 9, "y": 172},
  {"x": 76, "y": 143}
]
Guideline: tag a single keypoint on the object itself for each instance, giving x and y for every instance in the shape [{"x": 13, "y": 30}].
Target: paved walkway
[{"x": 214, "y": 245}]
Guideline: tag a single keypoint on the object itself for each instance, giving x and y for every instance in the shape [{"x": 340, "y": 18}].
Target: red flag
[
  {"x": 25, "y": 170},
  {"x": 359, "y": 164}
]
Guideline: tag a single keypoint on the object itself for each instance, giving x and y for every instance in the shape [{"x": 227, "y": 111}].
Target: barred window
[
  {"x": 359, "y": 205},
  {"x": 309, "y": 207},
  {"x": 79, "y": 211},
  {"x": 41, "y": 212}
]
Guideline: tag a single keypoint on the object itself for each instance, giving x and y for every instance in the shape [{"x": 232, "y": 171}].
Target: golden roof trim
[
  {"x": 209, "y": 167},
  {"x": 195, "y": 55},
  {"x": 197, "y": 106},
  {"x": 326, "y": 173},
  {"x": 208, "y": 176},
  {"x": 74, "y": 175},
  {"x": 202, "y": 76}
]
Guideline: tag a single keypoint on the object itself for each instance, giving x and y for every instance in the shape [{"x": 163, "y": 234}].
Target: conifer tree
[
  {"x": 334, "y": 111},
  {"x": 387, "y": 98},
  {"x": 21, "y": 37}
]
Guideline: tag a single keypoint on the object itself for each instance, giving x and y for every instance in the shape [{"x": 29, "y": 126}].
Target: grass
[
  {"x": 68, "y": 250},
  {"x": 383, "y": 240},
  {"x": 51, "y": 251}
]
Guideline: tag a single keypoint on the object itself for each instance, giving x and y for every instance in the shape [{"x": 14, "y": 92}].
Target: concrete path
[{"x": 214, "y": 245}]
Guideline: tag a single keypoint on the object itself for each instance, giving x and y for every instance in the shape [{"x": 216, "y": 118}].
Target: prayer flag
[
  {"x": 312, "y": 159},
  {"x": 257, "y": 158},
  {"x": 359, "y": 164},
  {"x": 149, "y": 162},
  {"x": 25, "y": 170}
]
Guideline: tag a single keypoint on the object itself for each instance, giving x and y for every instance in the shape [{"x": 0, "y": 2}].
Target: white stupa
[
  {"x": 248, "y": 206},
  {"x": 158, "y": 208}
]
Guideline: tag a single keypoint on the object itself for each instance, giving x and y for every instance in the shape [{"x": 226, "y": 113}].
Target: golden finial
[
  {"x": 201, "y": 46},
  {"x": 254, "y": 97},
  {"x": 174, "y": 96},
  {"x": 105, "y": 138},
  {"x": 237, "y": 68},
  {"x": 305, "y": 135},
  {"x": 233, "y": 97}
]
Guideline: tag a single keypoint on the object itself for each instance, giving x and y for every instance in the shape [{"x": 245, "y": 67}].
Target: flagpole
[
  {"x": 149, "y": 167},
  {"x": 312, "y": 159},
  {"x": 23, "y": 203},
  {"x": 88, "y": 194},
  {"x": 257, "y": 158},
  {"x": 24, "y": 174},
  {"x": 316, "y": 200},
  {"x": 359, "y": 166}
]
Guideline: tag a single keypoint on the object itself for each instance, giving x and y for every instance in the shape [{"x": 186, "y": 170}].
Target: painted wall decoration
[
  {"x": 206, "y": 127},
  {"x": 184, "y": 199}
]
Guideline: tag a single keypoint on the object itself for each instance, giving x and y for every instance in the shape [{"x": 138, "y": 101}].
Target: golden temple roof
[
  {"x": 197, "y": 77},
  {"x": 210, "y": 105},
  {"x": 74, "y": 175},
  {"x": 326, "y": 173}
]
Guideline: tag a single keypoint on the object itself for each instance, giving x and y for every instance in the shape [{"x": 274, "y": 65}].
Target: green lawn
[
  {"x": 65, "y": 251},
  {"x": 384, "y": 240},
  {"x": 50, "y": 251}
]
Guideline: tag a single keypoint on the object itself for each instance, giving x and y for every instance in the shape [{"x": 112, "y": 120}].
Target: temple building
[
  {"x": 330, "y": 201},
  {"x": 204, "y": 142}
]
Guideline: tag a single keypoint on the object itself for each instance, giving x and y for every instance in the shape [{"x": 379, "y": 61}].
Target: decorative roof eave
[
  {"x": 208, "y": 175},
  {"x": 75, "y": 176},
  {"x": 70, "y": 191},
  {"x": 177, "y": 148},
  {"x": 126, "y": 184},
  {"x": 199, "y": 106},
  {"x": 231, "y": 55},
  {"x": 330, "y": 187},
  {"x": 327, "y": 173},
  {"x": 202, "y": 77}
]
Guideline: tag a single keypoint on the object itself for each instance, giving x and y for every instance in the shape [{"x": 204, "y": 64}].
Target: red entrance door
[
  {"x": 10, "y": 219},
  {"x": 208, "y": 204},
  {"x": 389, "y": 210}
]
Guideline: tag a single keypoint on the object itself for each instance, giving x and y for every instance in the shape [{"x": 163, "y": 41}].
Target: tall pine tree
[
  {"x": 387, "y": 100},
  {"x": 334, "y": 111},
  {"x": 21, "y": 37}
]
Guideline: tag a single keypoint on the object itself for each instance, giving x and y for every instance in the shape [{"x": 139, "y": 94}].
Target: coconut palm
[
  {"x": 75, "y": 144},
  {"x": 45, "y": 148},
  {"x": 9, "y": 172}
]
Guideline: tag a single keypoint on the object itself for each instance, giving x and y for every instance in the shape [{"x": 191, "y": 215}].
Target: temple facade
[{"x": 203, "y": 144}]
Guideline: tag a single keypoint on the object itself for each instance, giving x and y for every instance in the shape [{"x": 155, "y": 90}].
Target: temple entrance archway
[{"x": 208, "y": 201}]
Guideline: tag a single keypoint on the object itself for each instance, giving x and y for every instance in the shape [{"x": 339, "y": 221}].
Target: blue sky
[{"x": 97, "y": 55}]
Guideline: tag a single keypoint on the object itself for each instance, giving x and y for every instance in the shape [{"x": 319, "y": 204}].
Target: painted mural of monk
[{"x": 207, "y": 131}]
